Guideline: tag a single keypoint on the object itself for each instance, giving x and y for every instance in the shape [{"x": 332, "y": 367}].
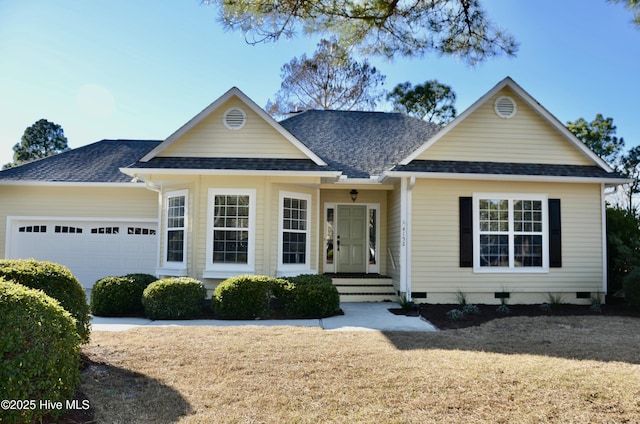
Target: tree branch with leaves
[
  {"x": 458, "y": 28},
  {"x": 330, "y": 79},
  {"x": 40, "y": 140}
]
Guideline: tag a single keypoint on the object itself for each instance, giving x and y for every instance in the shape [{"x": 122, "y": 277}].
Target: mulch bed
[{"x": 437, "y": 314}]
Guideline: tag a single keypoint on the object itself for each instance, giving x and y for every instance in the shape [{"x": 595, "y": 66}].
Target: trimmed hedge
[
  {"x": 56, "y": 281},
  {"x": 174, "y": 298},
  {"x": 39, "y": 351},
  {"x": 245, "y": 297},
  {"x": 119, "y": 296},
  {"x": 631, "y": 288},
  {"x": 252, "y": 297},
  {"x": 311, "y": 296}
]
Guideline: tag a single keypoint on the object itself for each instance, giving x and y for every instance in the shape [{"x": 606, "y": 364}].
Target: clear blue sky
[{"x": 140, "y": 68}]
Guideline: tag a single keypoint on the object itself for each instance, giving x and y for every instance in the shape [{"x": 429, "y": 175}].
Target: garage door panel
[{"x": 90, "y": 249}]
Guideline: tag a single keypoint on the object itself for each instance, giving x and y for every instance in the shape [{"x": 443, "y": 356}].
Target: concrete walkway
[{"x": 357, "y": 317}]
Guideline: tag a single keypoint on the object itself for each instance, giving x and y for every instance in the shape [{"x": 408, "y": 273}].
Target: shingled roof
[
  {"x": 99, "y": 162},
  {"x": 360, "y": 144},
  {"x": 505, "y": 168}
]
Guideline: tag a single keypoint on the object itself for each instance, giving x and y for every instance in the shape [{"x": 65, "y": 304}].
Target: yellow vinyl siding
[
  {"x": 211, "y": 138},
  {"x": 435, "y": 240},
  {"x": 81, "y": 202},
  {"x": 525, "y": 138}
]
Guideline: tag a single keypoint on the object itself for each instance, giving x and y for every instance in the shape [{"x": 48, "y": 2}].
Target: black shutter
[
  {"x": 466, "y": 232},
  {"x": 555, "y": 234}
]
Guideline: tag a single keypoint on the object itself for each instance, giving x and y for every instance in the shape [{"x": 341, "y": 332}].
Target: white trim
[
  {"x": 171, "y": 272},
  {"x": 234, "y": 91},
  {"x": 404, "y": 249},
  {"x": 213, "y": 270},
  {"x": 531, "y": 102},
  {"x": 409, "y": 263},
  {"x": 511, "y": 233},
  {"x": 294, "y": 269},
  {"x": 175, "y": 265}
]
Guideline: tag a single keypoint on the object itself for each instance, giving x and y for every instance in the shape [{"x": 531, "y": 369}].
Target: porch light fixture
[{"x": 354, "y": 194}]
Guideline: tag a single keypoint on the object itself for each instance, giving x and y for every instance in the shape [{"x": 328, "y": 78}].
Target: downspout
[{"x": 604, "y": 240}]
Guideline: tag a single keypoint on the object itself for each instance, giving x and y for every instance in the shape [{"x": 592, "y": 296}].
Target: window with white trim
[
  {"x": 231, "y": 230},
  {"x": 176, "y": 228},
  {"x": 511, "y": 232},
  {"x": 294, "y": 231}
]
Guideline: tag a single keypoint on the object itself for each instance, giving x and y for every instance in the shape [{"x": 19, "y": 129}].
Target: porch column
[{"x": 406, "y": 186}]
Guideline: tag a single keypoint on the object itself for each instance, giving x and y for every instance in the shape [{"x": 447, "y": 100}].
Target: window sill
[
  {"x": 292, "y": 272},
  {"x": 226, "y": 273},
  {"x": 172, "y": 272},
  {"x": 523, "y": 270}
]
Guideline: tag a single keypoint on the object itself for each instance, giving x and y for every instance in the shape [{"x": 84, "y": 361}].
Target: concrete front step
[{"x": 369, "y": 289}]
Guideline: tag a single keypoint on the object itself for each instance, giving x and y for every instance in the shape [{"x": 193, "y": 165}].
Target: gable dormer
[{"x": 507, "y": 125}]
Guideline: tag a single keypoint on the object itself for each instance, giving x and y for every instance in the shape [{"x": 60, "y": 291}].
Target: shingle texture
[
  {"x": 360, "y": 144},
  {"x": 502, "y": 168},
  {"x": 94, "y": 163},
  {"x": 245, "y": 164}
]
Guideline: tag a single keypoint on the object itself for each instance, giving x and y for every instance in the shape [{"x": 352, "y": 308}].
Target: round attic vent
[
  {"x": 234, "y": 118},
  {"x": 505, "y": 107}
]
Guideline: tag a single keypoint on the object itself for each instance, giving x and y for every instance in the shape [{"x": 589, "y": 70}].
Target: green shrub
[
  {"x": 246, "y": 296},
  {"x": 142, "y": 280},
  {"x": 39, "y": 352},
  {"x": 631, "y": 288},
  {"x": 119, "y": 296},
  {"x": 174, "y": 298},
  {"x": 56, "y": 281},
  {"x": 311, "y": 296}
]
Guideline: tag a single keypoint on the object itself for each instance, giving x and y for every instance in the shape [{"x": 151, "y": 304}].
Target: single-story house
[{"x": 503, "y": 201}]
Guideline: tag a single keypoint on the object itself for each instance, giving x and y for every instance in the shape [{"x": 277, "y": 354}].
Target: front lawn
[{"x": 515, "y": 370}]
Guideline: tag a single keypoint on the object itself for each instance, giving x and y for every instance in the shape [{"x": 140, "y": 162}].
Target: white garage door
[{"x": 90, "y": 249}]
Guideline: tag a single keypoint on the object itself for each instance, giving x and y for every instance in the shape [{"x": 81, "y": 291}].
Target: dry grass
[{"x": 515, "y": 370}]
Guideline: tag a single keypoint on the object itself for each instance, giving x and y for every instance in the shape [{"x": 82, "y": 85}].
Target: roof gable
[
  {"x": 207, "y": 136},
  {"x": 533, "y": 135}
]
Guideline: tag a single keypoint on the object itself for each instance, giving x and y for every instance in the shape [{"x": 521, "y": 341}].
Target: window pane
[
  {"x": 494, "y": 250},
  {"x": 494, "y": 215},
  {"x": 527, "y": 216},
  {"x": 329, "y": 236},
  {"x": 175, "y": 245},
  {"x": 528, "y": 250},
  {"x": 294, "y": 225},
  {"x": 230, "y": 246},
  {"x": 372, "y": 237},
  {"x": 294, "y": 247},
  {"x": 175, "y": 228}
]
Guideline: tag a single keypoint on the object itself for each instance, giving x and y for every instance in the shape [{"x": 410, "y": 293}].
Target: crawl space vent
[
  {"x": 505, "y": 107},
  {"x": 235, "y": 118}
]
